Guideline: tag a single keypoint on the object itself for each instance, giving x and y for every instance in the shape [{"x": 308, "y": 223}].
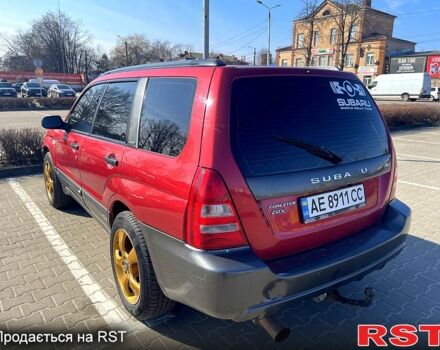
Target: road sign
[
  {"x": 39, "y": 73},
  {"x": 38, "y": 63}
]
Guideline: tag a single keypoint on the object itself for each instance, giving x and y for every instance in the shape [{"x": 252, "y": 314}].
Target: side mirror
[{"x": 54, "y": 122}]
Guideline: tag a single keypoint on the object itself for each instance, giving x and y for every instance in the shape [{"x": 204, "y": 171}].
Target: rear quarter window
[{"x": 332, "y": 113}]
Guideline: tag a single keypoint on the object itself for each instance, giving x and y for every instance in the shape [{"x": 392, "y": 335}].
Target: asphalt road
[
  {"x": 55, "y": 274},
  {"x": 26, "y": 119}
]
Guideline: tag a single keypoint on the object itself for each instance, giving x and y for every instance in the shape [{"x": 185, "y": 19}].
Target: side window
[
  {"x": 166, "y": 113},
  {"x": 114, "y": 111},
  {"x": 81, "y": 118}
]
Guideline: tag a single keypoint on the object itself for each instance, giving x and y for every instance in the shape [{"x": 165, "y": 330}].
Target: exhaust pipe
[{"x": 277, "y": 332}]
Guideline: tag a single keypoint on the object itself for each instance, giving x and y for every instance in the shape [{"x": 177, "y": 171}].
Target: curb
[{"x": 21, "y": 171}]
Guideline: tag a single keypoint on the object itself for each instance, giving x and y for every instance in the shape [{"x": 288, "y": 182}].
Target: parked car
[
  {"x": 46, "y": 82},
  {"x": 32, "y": 90},
  {"x": 7, "y": 90},
  {"x": 233, "y": 190},
  {"x": 17, "y": 86},
  {"x": 435, "y": 94},
  {"x": 60, "y": 90},
  {"x": 405, "y": 87}
]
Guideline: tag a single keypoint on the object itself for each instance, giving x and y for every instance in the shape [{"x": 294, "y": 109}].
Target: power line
[
  {"x": 235, "y": 37},
  {"x": 250, "y": 42},
  {"x": 244, "y": 37},
  {"x": 418, "y": 12},
  {"x": 420, "y": 35}
]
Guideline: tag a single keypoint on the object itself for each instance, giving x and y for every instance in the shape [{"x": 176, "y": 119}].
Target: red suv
[{"x": 233, "y": 190}]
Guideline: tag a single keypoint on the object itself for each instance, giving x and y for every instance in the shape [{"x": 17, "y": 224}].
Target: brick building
[{"x": 370, "y": 48}]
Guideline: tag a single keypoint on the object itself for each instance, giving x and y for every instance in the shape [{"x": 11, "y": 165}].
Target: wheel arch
[{"x": 115, "y": 208}]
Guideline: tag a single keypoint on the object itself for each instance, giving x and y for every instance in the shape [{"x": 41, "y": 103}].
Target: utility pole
[
  {"x": 255, "y": 52},
  {"x": 205, "y": 29},
  {"x": 269, "y": 20},
  {"x": 126, "y": 48},
  {"x": 126, "y": 53}
]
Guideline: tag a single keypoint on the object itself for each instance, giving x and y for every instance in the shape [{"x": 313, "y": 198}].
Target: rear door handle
[
  {"x": 111, "y": 160},
  {"x": 74, "y": 146}
]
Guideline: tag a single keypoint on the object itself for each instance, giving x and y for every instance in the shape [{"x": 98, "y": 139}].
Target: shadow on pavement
[{"x": 407, "y": 291}]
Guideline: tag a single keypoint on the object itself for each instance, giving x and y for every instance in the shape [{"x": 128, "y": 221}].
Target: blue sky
[{"x": 235, "y": 24}]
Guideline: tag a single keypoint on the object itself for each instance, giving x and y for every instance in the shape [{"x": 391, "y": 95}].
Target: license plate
[{"x": 328, "y": 204}]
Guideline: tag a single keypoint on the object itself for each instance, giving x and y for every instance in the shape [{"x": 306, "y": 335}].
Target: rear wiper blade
[{"x": 319, "y": 151}]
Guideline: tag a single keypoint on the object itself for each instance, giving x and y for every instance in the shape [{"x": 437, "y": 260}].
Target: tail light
[
  {"x": 394, "y": 175},
  {"x": 212, "y": 219}
]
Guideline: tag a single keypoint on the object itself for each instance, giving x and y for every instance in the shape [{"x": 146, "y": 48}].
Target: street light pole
[
  {"x": 205, "y": 29},
  {"x": 269, "y": 20}
]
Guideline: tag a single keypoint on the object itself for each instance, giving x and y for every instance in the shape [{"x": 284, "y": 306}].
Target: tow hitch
[{"x": 335, "y": 295}]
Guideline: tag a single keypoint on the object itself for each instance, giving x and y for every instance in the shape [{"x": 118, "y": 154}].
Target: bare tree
[
  {"x": 56, "y": 39},
  {"x": 307, "y": 26},
  {"x": 141, "y": 50},
  {"x": 346, "y": 15}
]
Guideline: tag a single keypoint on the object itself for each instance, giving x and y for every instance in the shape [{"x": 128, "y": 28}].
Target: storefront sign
[
  {"x": 319, "y": 52},
  {"x": 64, "y": 78},
  {"x": 407, "y": 65},
  {"x": 433, "y": 66},
  {"x": 367, "y": 70}
]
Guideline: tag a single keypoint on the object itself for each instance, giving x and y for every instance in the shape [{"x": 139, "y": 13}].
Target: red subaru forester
[{"x": 233, "y": 190}]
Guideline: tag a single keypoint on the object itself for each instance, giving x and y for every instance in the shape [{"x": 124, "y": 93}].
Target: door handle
[
  {"x": 111, "y": 160},
  {"x": 74, "y": 146}
]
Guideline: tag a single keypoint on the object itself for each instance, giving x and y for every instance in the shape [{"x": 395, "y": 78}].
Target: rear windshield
[
  {"x": 278, "y": 124},
  {"x": 31, "y": 85},
  {"x": 64, "y": 87}
]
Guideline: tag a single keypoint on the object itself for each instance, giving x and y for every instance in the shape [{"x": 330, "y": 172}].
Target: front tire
[
  {"x": 54, "y": 190},
  {"x": 133, "y": 270}
]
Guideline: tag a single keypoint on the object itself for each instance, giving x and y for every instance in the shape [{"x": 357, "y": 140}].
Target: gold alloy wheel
[
  {"x": 126, "y": 266},
  {"x": 48, "y": 180}
]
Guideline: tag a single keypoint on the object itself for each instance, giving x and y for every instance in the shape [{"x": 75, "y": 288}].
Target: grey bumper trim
[{"x": 236, "y": 284}]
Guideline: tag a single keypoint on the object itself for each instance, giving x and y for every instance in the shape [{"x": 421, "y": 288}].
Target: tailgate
[{"x": 301, "y": 144}]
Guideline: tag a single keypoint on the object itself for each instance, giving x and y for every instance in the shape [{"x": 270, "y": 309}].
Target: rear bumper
[{"x": 238, "y": 285}]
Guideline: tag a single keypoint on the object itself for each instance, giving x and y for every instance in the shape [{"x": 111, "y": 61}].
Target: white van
[
  {"x": 405, "y": 87},
  {"x": 46, "y": 82}
]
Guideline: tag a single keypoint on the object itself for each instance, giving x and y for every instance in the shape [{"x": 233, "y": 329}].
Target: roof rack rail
[{"x": 170, "y": 64}]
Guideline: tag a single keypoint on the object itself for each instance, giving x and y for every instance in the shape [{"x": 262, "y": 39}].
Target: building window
[
  {"x": 322, "y": 61},
  {"x": 326, "y": 13},
  {"x": 314, "y": 61},
  {"x": 284, "y": 63},
  {"x": 369, "y": 59},
  {"x": 300, "y": 41},
  {"x": 330, "y": 61},
  {"x": 349, "y": 60},
  {"x": 315, "y": 39},
  {"x": 354, "y": 33},
  {"x": 333, "y": 36},
  {"x": 299, "y": 62}
]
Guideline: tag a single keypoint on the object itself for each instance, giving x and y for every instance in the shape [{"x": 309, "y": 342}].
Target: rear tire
[
  {"x": 133, "y": 270},
  {"x": 54, "y": 189},
  {"x": 405, "y": 97}
]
